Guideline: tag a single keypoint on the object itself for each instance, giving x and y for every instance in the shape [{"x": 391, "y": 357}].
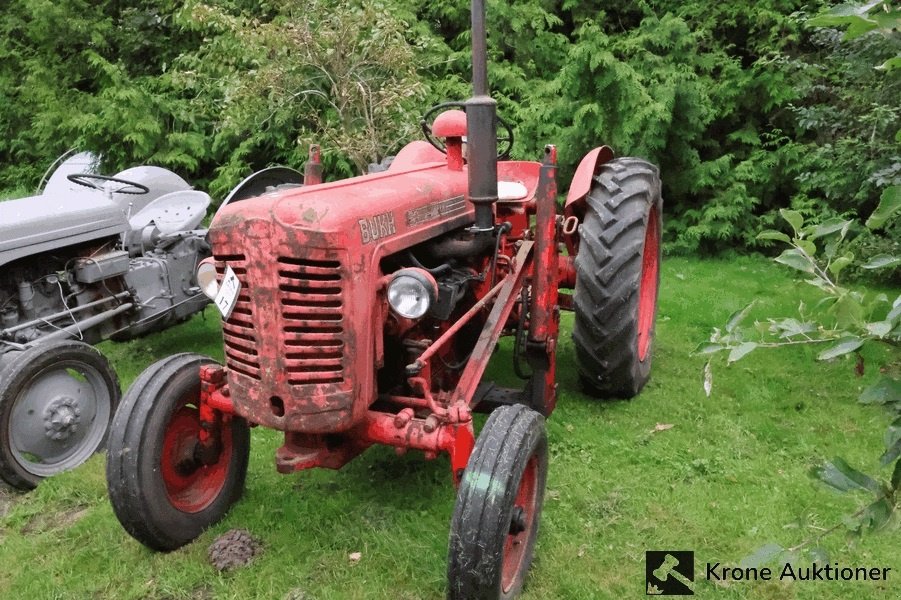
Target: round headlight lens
[
  {"x": 410, "y": 293},
  {"x": 206, "y": 278}
]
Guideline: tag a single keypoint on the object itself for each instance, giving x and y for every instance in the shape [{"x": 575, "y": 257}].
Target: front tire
[
  {"x": 617, "y": 279},
  {"x": 56, "y": 402},
  {"x": 498, "y": 508},
  {"x": 162, "y": 494}
]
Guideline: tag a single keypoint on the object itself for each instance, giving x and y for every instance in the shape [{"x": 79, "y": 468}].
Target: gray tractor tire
[{"x": 56, "y": 402}]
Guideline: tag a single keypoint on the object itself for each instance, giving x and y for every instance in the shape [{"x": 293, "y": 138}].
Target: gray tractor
[{"x": 92, "y": 257}]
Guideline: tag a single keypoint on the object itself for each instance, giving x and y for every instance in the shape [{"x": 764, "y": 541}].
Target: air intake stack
[{"x": 481, "y": 118}]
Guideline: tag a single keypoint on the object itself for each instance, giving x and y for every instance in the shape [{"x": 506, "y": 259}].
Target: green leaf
[
  {"x": 884, "y": 391},
  {"x": 841, "y": 476},
  {"x": 793, "y": 218},
  {"x": 794, "y": 259},
  {"x": 763, "y": 555},
  {"x": 889, "y": 203},
  {"x": 877, "y": 514},
  {"x": 896, "y": 476},
  {"x": 836, "y": 266},
  {"x": 793, "y": 327},
  {"x": 829, "y": 226},
  {"x": 740, "y": 351},
  {"x": 890, "y": 65},
  {"x": 896, "y": 310},
  {"x": 848, "y": 311},
  {"x": 844, "y": 346},
  {"x": 893, "y": 434},
  {"x": 891, "y": 455},
  {"x": 772, "y": 234},
  {"x": 892, "y": 443},
  {"x": 738, "y": 316},
  {"x": 807, "y": 246},
  {"x": 879, "y": 329},
  {"x": 881, "y": 261},
  {"x": 708, "y": 348}
]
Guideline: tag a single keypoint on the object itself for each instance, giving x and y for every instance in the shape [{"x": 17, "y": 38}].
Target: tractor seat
[
  {"x": 181, "y": 210},
  {"x": 508, "y": 191}
]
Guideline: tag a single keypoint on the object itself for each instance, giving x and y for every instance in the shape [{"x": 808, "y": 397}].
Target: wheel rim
[
  {"x": 190, "y": 485},
  {"x": 59, "y": 418},
  {"x": 647, "y": 290},
  {"x": 522, "y": 523}
]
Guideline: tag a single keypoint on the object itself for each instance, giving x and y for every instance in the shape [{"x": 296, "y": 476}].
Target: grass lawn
[{"x": 729, "y": 476}]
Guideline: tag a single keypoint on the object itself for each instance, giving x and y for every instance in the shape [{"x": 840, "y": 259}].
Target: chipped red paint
[
  {"x": 588, "y": 168},
  {"x": 416, "y": 153},
  {"x": 191, "y": 484},
  {"x": 545, "y": 312}
]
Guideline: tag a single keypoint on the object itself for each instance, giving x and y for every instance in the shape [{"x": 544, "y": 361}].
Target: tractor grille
[
  {"x": 240, "y": 344},
  {"x": 310, "y": 294}
]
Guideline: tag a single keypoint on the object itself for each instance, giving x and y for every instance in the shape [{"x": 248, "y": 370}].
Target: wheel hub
[
  {"x": 517, "y": 520},
  {"x": 61, "y": 417}
]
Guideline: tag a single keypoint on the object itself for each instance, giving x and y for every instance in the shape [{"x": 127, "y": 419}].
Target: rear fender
[
  {"x": 581, "y": 183},
  {"x": 260, "y": 182},
  {"x": 574, "y": 206}
]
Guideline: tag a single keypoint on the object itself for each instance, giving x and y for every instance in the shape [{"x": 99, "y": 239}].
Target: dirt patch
[
  {"x": 233, "y": 549},
  {"x": 47, "y": 521},
  {"x": 8, "y": 498}
]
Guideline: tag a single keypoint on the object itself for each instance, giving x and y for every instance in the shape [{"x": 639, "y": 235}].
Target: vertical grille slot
[
  {"x": 240, "y": 344},
  {"x": 312, "y": 308}
]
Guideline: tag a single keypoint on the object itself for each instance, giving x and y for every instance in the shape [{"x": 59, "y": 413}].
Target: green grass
[{"x": 730, "y": 476}]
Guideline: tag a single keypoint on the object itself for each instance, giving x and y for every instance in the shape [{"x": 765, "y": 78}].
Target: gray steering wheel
[{"x": 129, "y": 187}]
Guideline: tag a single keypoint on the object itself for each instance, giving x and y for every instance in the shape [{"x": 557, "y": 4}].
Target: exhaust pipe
[{"x": 481, "y": 119}]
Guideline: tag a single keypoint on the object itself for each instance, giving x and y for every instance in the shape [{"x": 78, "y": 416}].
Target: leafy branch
[
  {"x": 847, "y": 320},
  {"x": 845, "y": 317}
]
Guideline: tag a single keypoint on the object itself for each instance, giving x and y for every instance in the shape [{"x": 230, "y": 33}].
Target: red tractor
[{"x": 365, "y": 311}]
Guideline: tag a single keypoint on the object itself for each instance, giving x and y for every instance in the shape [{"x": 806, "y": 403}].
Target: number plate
[{"x": 228, "y": 293}]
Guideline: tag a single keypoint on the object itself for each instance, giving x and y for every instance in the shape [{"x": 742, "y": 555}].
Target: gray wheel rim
[{"x": 59, "y": 418}]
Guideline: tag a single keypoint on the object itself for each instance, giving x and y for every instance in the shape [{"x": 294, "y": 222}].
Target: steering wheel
[
  {"x": 128, "y": 187},
  {"x": 504, "y": 144}
]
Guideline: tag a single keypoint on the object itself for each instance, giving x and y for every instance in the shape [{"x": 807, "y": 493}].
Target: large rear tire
[
  {"x": 56, "y": 403},
  {"x": 161, "y": 492},
  {"x": 498, "y": 508},
  {"x": 617, "y": 279}
]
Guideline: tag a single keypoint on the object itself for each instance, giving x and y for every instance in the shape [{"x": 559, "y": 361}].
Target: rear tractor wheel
[
  {"x": 495, "y": 522},
  {"x": 56, "y": 402},
  {"x": 617, "y": 279},
  {"x": 161, "y": 491}
]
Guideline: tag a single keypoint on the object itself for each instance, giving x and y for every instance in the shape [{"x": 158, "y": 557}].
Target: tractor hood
[
  {"x": 43, "y": 223},
  {"x": 363, "y": 211}
]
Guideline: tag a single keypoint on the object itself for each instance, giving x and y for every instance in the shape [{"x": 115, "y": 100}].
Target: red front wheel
[
  {"x": 498, "y": 507},
  {"x": 163, "y": 490}
]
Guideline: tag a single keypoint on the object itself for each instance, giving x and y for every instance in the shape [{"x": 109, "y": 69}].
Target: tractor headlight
[
  {"x": 411, "y": 292},
  {"x": 206, "y": 278}
]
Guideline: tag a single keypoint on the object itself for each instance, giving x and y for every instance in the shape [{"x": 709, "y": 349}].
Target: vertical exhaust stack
[{"x": 481, "y": 118}]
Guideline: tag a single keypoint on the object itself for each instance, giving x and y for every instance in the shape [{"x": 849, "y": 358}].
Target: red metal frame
[{"x": 309, "y": 257}]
